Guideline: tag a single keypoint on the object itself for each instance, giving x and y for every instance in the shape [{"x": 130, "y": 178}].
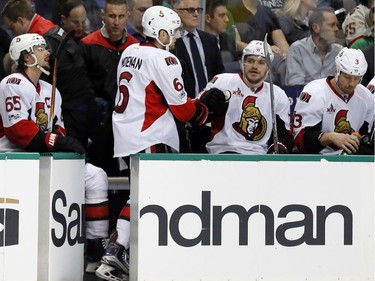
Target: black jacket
[{"x": 213, "y": 61}]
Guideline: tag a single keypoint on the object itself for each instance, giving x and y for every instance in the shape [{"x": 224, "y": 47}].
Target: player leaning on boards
[
  {"x": 245, "y": 125},
  {"x": 25, "y": 102},
  {"x": 330, "y": 110},
  {"x": 151, "y": 94}
]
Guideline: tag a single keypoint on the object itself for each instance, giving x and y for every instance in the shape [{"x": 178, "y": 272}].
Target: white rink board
[
  {"x": 19, "y": 190},
  {"x": 41, "y": 197},
  {"x": 64, "y": 195},
  {"x": 299, "y": 189}
]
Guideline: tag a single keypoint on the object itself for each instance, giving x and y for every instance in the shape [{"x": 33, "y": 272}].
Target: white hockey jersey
[
  {"x": 319, "y": 102},
  {"x": 247, "y": 125},
  {"x": 150, "y": 93},
  {"x": 20, "y": 100},
  {"x": 357, "y": 24}
]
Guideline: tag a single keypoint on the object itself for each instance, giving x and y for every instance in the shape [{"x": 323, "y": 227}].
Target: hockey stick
[
  {"x": 54, "y": 75},
  {"x": 272, "y": 94}
]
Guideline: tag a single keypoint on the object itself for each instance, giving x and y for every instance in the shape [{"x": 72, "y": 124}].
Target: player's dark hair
[
  {"x": 21, "y": 67},
  {"x": 115, "y": 2},
  {"x": 211, "y": 5},
  {"x": 150, "y": 40},
  {"x": 18, "y": 8},
  {"x": 69, "y": 5}
]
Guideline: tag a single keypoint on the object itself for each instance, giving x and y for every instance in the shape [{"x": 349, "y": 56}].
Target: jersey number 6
[{"x": 124, "y": 93}]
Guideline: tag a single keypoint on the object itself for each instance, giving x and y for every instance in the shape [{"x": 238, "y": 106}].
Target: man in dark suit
[{"x": 198, "y": 71}]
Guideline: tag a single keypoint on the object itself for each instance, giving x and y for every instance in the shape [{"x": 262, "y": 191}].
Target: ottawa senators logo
[
  {"x": 342, "y": 125},
  {"x": 41, "y": 116},
  {"x": 252, "y": 125}
]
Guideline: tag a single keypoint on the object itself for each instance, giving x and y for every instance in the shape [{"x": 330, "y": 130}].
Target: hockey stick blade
[
  {"x": 272, "y": 95},
  {"x": 65, "y": 39}
]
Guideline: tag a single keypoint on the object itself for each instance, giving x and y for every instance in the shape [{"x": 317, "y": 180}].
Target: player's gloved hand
[
  {"x": 63, "y": 143},
  {"x": 282, "y": 149},
  {"x": 200, "y": 115},
  {"x": 215, "y": 100},
  {"x": 366, "y": 146},
  {"x": 58, "y": 130}
]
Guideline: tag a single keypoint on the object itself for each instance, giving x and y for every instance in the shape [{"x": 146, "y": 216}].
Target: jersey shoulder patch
[{"x": 170, "y": 60}]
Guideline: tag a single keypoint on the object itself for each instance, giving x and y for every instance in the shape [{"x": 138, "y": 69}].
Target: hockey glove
[
  {"x": 215, "y": 100},
  {"x": 63, "y": 143},
  {"x": 282, "y": 149},
  {"x": 366, "y": 146},
  {"x": 200, "y": 115}
]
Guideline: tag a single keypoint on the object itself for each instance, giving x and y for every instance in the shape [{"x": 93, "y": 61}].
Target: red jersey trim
[
  {"x": 184, "y": 112},
  {"x": 125, "y": 213},
  {"x": 97, "y": 211},
  {"x": 22, "y": 133},
  {"x": 299, "y": 141},
  {"x": 328, "y": 80},
  {"x": 154, "y": 105}
]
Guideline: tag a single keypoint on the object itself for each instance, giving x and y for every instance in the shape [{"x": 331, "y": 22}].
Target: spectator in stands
[
  {"x": 134, "y": 22},
  {"x": 200, "y": 59},
  {"x": 102, "y": 51},
  {"x": 340, "y": 12},
  {"x": 313, "y": 57},
  {"x": 77, "y": 95},
  {"x": 358, "y": 22},
  {"x": 244, "y": 125},
  {"x": 93, "y": 9},
  {"x": 367, "y": 40},
  {"x": 150, "y": 94},
  {"x": 74, "y": 17},
  {"x": 216, "y": 23},
  {"x": 334, "y": 114},
  {"x": 254, "y": 21},
  {"x": 4, "y": 47},
  {"x": 294, "y": 19}
]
